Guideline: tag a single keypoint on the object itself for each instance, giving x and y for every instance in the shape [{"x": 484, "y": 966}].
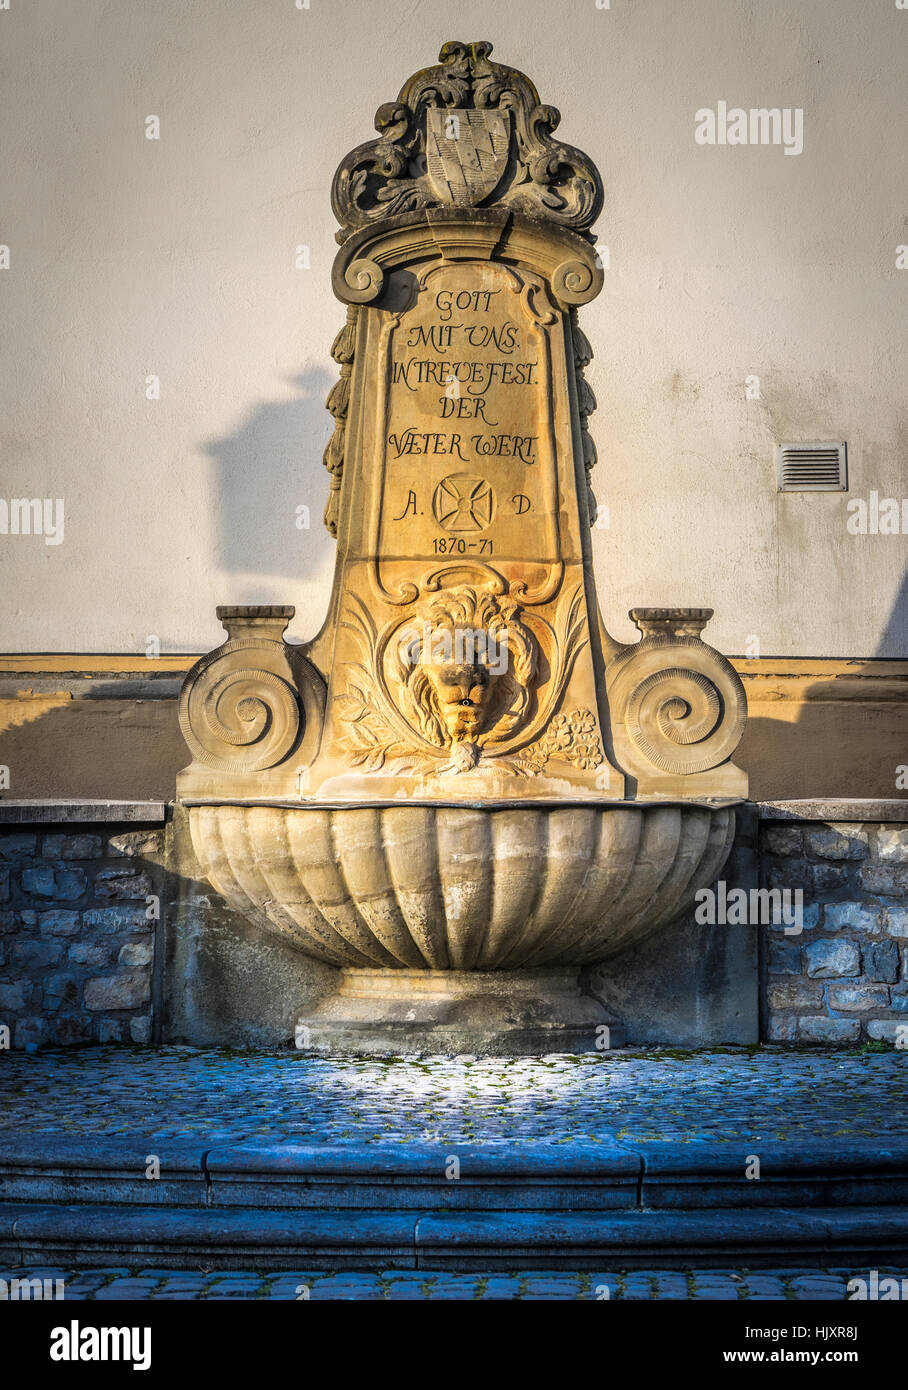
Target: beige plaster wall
[{"x": 176, "y": 258}]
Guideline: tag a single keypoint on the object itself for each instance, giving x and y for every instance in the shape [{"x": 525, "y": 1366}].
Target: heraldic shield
[{"x": 466, "y": 152}]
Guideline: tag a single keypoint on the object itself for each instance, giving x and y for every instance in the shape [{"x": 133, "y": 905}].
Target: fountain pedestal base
[{"x": 490, "y": 1013}]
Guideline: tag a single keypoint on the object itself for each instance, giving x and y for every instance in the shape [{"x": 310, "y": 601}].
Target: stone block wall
[
  {"x": 844, "y": 977},
  {"x": 79, "y": 926}
]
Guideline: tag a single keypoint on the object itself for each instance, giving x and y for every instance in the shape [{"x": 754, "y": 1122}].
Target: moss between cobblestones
[{"x": 720, "y": 1093}]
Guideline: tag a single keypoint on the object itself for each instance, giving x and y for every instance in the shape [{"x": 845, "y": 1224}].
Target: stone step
[
  {"x": 433, "y": 1177},
  {"x": 204, "y": 1238}
]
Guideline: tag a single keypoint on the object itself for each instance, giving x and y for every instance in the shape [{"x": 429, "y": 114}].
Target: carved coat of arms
[{"x": 466, "y": 152}]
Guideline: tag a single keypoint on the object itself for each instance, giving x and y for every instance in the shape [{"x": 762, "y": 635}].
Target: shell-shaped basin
[{"x": 461, "y": 888}]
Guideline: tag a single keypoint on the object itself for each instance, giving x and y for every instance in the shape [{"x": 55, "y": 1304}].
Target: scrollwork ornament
[
  {"x": 674, "y": 718},
  {"x": 239, "y": 717},
  {"x": 466, "y": 132},
  {"x": 682, "y": 704},
  {"x": 365, "y": 280},
  {"x": 573, "y": 282}
]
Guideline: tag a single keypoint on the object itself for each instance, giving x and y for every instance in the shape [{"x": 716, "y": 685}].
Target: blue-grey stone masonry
[
  {"x": 81, "y": 934},
  {"x": 79, "y": 922},
  {"x": 844, "y": 977}
]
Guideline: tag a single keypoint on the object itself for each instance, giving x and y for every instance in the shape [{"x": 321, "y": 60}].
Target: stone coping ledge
[
  {"x": 43, "y": 811},
  {"x": 47, "y": 811},
  {"x": 836, "y": 809},
  {"x": 277, "y": 803},
  {"x": 610, "y": 1156}
]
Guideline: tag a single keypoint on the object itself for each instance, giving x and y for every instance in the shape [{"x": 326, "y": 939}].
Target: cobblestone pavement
[
  {"x": 725, "y": 1094},
  {"x": 753, "y": 1285}
]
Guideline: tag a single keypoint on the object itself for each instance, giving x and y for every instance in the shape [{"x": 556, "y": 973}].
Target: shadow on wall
[
  {"x": 838, "y": 746},
  {"x": 131, "y": 747},
  {"x": 116, "y": 749},
  {"x": 264, "y": 474},
  {"x": 893, "y": 642},
  {"x": 122, "y": 740}
]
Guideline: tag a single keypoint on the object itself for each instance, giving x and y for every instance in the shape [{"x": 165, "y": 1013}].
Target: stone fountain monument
[{"x": 463, "y": 790}]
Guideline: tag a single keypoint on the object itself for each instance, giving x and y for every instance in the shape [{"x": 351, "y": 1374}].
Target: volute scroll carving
[
  {"x": 678, "y": 704},
  {"x": 572, "y": 281},
  {"x": 364, "y": 279},
  {"x": 245, "y": 706}
]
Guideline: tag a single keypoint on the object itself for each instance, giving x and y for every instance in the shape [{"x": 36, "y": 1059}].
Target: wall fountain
[{"x": 463, "y": 791}]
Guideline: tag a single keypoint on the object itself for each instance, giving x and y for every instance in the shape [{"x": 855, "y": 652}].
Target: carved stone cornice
[
  {"x": 567, "y": 261},
  {"x": 466, "y": 133}
]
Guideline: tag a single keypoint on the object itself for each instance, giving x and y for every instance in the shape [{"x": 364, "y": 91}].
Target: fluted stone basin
[{"x": 435, "y": 889}]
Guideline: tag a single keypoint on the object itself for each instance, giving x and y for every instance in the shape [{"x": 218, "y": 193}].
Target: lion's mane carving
[{"x": 465, "y": 666}]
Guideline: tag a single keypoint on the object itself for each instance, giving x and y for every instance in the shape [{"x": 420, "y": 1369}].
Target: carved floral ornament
[{"x": 466, "y": 133}]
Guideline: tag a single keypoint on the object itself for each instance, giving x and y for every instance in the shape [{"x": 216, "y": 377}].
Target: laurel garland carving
[
  {"x": 586, "y": 404},
  {"x": 409, "y": 168},
  {"x": 343, "y": 350}
]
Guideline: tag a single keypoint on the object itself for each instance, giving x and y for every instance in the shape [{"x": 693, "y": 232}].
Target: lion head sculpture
[{"x": 465, "y": 667}]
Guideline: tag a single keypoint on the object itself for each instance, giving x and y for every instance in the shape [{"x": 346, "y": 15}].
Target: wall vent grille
[{"x": 812, "y": 467}]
